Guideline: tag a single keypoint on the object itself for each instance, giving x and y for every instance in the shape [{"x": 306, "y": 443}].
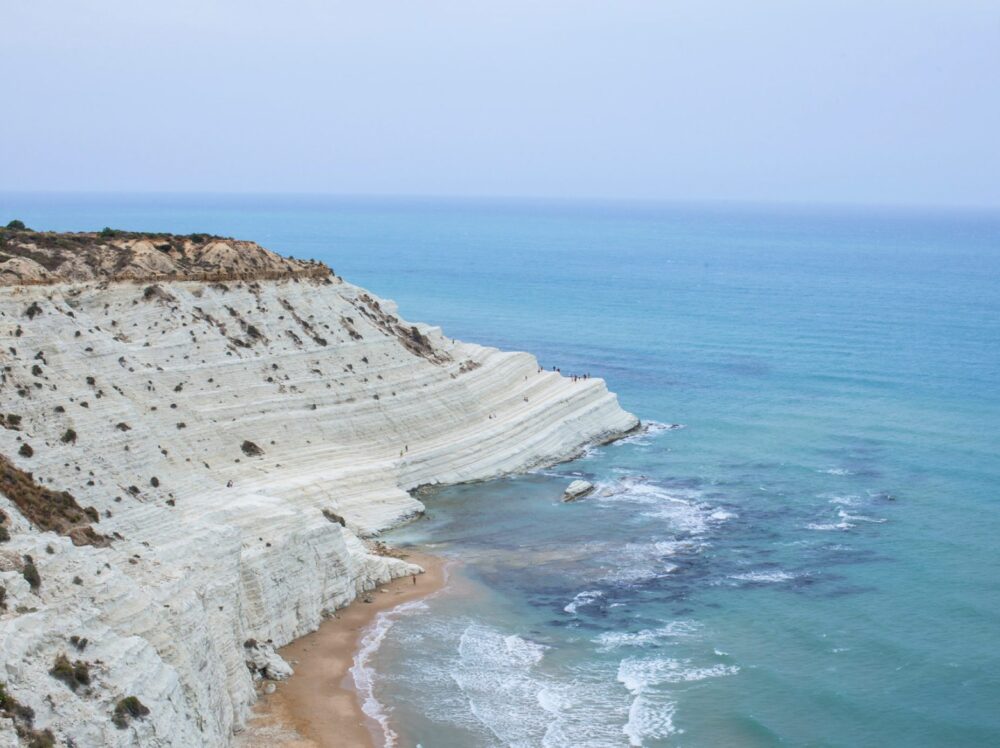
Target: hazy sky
[{"x": 869, "y": 102}]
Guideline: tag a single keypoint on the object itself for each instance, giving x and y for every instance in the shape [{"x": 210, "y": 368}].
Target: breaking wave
[
  {"x": 847, "y": 521},
  {"x": 612, "y": 640},
  {"x": 649, "y": 430},
  {"x": 583, "y": 599},
  {"x": 681, "y": 509},
  {"x": 364, "y": 674},
  {"x": 651, "y": 713},
  {"x": 520, "y": 704},
  {"x": 764, "y": 577}
]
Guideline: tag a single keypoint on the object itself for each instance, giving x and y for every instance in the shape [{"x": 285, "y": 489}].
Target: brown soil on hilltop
[{"x": 43, "y": 257}]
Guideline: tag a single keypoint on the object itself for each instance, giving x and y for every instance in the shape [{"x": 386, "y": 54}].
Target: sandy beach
[{"x": 318, "y": 707}]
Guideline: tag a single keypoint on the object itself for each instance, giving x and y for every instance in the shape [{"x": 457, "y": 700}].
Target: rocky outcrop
[
  {"x": 577, "y": 490},
  {"x": 17, "y": 270},
  {"x": 237, "y": 444}
]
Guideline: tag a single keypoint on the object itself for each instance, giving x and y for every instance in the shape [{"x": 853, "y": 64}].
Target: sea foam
[
  {"x": 649, "y": 430},
  {"x": 764, "y": 577},
  {"x": 364, "y": 674},
  {"x": 648, "y": 679},
  {"x": 611, "y": 640},
  {"x": 583, "y": 599},
  {"x": 681, "y": 509}
]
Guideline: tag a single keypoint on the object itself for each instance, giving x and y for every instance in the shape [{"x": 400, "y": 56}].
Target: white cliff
[{"x": 238, "y": 442}]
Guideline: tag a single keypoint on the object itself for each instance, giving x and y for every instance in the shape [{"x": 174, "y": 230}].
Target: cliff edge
[
  {"x": 42, "y": 257},
  {"x": 198, "y": 438}
]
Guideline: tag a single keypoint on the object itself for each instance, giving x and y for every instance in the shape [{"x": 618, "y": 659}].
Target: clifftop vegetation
[{"x": 29, "y": 257}]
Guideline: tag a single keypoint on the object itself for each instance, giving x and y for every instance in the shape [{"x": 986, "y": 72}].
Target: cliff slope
[{"x": 190, "y": 469}]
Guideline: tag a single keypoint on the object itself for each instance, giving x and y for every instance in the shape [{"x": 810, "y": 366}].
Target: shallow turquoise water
[{"x": 811, "y": 560}]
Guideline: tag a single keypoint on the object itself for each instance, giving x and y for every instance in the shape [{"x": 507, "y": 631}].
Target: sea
[{"x": 802, "y": 546}]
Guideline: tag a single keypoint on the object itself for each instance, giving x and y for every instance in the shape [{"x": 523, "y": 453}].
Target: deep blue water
[{"x": 812, "y": 560}]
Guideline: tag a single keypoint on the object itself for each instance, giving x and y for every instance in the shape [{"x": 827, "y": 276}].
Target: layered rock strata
[{"x": 229, "y": 447}]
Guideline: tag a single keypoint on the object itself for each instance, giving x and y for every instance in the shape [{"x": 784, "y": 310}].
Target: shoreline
[{"x": 319, "y": 706}]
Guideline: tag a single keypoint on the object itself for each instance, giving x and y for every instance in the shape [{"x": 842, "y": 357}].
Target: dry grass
[
  {"x": 47, "y": 509},
  {"x": 73, "y": 674},
  {"x": 23, "y": 717},
  {"x": 128, "y": 708}
]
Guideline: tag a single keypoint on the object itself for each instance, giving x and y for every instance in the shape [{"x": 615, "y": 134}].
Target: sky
[{"x": 873, "y": 102}]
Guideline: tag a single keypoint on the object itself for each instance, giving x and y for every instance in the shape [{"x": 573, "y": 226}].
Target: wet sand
[{"x": 318, "y": 707}]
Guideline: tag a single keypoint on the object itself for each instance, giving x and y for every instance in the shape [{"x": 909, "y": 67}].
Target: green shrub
[
  {"x": 334, "y": 517},
  {"x": 73, "y": 674},
  {"x": 24, "y": 717},
  {"x": 17, "y": 225},
  {"x": 126, "y": 709},
  {"x": 250, "y": 449},
  {"x": 40, "y": 739},
  {"x": 31, "y": 575}
]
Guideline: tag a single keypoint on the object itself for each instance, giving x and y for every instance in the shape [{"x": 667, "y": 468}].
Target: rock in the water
[{"x": 577, "y": 490}]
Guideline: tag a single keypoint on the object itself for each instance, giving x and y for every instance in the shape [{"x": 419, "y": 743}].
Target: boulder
[
  {"x": 577, "y": 490},
  {"x": 265, "y": 662}
]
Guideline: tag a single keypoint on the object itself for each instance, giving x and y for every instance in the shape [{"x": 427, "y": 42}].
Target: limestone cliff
[{"x": 191, "y": 468}]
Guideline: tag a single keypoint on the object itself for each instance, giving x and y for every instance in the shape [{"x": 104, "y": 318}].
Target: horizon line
[{"x": 522, "y": 199}]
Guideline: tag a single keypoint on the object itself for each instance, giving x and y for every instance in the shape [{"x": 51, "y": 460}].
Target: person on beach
[{"x": 414, "y": 578}]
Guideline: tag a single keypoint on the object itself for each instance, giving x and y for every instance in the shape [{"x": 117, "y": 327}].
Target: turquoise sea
[{"x": 804, "y": 547}]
